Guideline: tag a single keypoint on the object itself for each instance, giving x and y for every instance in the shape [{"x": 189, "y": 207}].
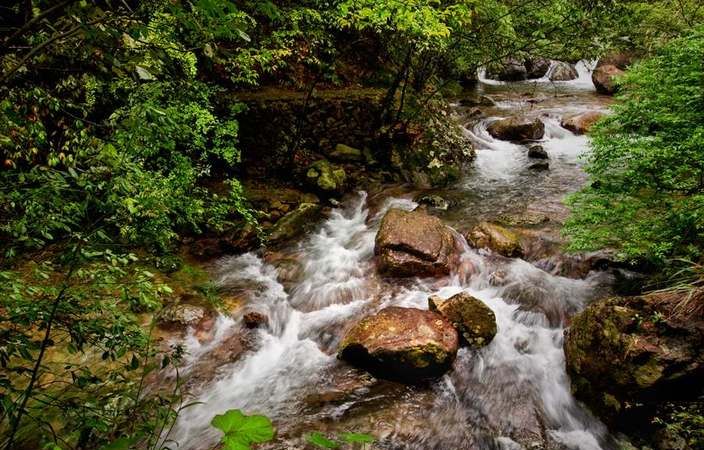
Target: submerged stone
[{"x": 404, "y": 344}]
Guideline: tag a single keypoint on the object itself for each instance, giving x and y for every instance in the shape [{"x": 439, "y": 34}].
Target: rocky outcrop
[
  {"x": 628, "y": 355},
  {"x": 510, "y": 70},
  {"x": 496, "y": 238},
  {"x": 405, "y": 344},
  {"x": 326, "y": 177},
  {"x": 414, "y": 244},
  {"x": 604, "y": 78},
  {"x": 563, "y": 71},
  {"x": 581, "y": 123},
  {"x": 517, "y": 129},
  {"x": 475, "y": 322}
]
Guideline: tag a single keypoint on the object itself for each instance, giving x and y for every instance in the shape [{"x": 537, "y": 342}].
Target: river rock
[
  {"x": 405, "y": 344},
  {"x": 326, "y": 177},
  {"x": 537, "y": 67},
  {"x": 475, "y": 322},
  {"x": 540, "y": 166},
  {"x": 182, "y": 316},
  {"x": 345, "y": 153},
  {"x": 517, "y": 129},
  {"x": 414, "y": 244},
  {"x": 581, "y": 123},
  {"x": 563, "y": 71},
  {"x": 538, "y": 152},
  {"x": 627, "y": 355},
  {"x": 433, "y": 201},
  {"x": 294, "y": 223},
  {"x": 510, "y": 70},
  {"x": 254, "y": 319},
  {"x": 604, "y": 78},
  {"x": 496, "y": 238}
]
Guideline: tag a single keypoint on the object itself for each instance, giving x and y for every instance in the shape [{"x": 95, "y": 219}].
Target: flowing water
[{"x": 512, "y": 394}]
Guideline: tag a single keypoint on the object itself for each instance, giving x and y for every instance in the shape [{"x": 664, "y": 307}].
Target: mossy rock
[
  {"x": 327, "y": 177},
  {"x": 475, "y": 322},
  {"x": 629, "y": 353},
  {"x": 294, "y": 223},
  {"x": 345, "y": 153},
  {"x": 496, "y": 238}
]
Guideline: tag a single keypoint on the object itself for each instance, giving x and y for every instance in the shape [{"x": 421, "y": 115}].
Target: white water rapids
[{"x": 509, "y": 395}]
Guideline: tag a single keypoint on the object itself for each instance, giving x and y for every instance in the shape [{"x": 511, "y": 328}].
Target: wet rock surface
[
  {"x": 510, "y": 69},
  {"x": 414, "y": 244},
  {"x": 517, "y": 129},
  {"x": 496, "y": 238},
  {"x": 604, "y": 78},
  {"x": 627, "y": 356},
  {"x": 581, "y": 123},
  {"x": 405, "y": 344},
  {"x": 538, "y": 152},
  {"x": 563, "y": 71},
  {"x": 475, "y": 322}
]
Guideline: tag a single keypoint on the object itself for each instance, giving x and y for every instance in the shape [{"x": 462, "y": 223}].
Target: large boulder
[
  {"x": 604, "y": 78},
  {"x": 581, "y": 123},
  {"x": 496, "y": 238},
  {"x": 510, "y": 70},
  {"x": 563, "y": 71},
  {"x": 405, "y": 344},
  {"x": 628, "y": 355},
  {"x": 537, "y": 67},
  {"x": 517, "y": 129},
  {"x": 414, "y": 243},
  {"x": 475, "y": 322}
]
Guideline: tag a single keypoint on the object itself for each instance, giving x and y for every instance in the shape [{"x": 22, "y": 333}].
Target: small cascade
[{"x": 513, "y": 391}]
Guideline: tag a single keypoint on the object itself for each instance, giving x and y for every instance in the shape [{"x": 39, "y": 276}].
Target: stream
[{"x": 512, "y": 394}]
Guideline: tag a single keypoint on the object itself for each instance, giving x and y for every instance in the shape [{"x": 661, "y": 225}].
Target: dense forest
[{"x": 388, "y": 224}]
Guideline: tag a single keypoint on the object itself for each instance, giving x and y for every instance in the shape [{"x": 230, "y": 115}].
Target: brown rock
[
  {"x": 581, "y": 123},
  {"x": 496, "y": 238},
  {"x": 254, "y": 319},
  {"x": 474, "y": 321},
  {"x": 414, "y": 244},
  {"x": 405, "y": 344},
  {"x": 563, "y": 72},
  {"x": 604, "y": 78},
  {"x": 517, "y": 129}
]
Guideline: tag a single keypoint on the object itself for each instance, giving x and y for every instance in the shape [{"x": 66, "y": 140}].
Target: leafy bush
[{"x": 646, "y": 196}]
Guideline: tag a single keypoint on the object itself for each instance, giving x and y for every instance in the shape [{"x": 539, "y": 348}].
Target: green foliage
[
  {"x": 320, "y": 440},
  {"x": 241, "y": 431},
  {"x": 646, "y": 196}
]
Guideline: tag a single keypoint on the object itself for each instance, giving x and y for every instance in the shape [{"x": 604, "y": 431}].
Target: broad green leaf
[
  {"x": 354, "y": 438},
  {"x": 246, "y": 429},
  {"x": 321, "y": 441}
]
